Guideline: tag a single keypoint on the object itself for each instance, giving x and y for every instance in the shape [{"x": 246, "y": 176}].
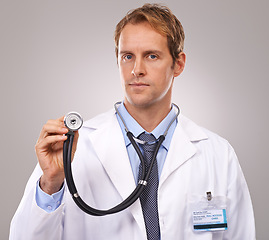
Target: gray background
[{"x": 57, "y": 56}]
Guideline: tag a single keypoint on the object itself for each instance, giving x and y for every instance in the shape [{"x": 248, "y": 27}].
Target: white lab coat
[{"x": 198, "y": 161}]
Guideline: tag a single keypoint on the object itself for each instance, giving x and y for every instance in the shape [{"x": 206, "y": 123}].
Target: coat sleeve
[
  {"x": 30, "y": 221},
  {"x": 241, "y": 224}
]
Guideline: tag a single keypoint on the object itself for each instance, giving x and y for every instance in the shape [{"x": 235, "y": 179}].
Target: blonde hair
[{"x": 161, "y": 19}]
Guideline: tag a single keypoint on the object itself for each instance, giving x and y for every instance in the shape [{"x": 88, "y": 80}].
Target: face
[{"x": 146, "y": 66}]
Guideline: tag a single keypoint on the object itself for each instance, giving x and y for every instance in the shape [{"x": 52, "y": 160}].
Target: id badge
[{"x": 209, "y": 213}]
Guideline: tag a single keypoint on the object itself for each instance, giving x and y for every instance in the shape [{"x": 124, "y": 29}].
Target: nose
[{"x": 139, "y": 69}]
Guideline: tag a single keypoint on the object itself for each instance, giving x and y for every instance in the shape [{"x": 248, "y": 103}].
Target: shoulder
[
  {"x": 198, "y": 134},
  {"x": 97, "y": 127},
  {"x": 100, "y": 120},
  {"x": 210, "y": 146}
]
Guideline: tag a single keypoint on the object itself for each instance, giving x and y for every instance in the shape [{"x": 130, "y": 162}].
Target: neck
[{"x": 148, "y": 117}]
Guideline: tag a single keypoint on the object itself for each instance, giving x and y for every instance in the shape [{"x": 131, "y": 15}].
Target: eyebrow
[
  {"x": 124, "y": 52},
  {"x": 145, "y": 52}
]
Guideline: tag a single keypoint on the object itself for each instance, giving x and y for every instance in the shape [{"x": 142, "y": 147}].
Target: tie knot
[
  {"x": 150, "y": 141},
  {"x": 147, "y": 137}
]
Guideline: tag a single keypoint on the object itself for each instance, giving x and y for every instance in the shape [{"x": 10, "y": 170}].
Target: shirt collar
[{"x": 134, "y": 127}]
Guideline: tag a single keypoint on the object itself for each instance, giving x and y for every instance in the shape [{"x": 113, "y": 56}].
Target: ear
[{"x": 179, "y": 64}]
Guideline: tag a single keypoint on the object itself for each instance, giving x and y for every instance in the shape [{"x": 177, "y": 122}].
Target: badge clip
[{"x": 209, "y": 196}]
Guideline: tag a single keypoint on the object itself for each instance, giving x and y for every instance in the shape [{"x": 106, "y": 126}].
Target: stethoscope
[{"x": 73, "y": 122}]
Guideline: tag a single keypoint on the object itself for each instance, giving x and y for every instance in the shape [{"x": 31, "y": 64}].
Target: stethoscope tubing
[{"x": 67, "y": 156}]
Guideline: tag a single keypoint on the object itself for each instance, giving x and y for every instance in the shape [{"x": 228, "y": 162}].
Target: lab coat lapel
[
  {"x": 181, "y": 148},
  {"x": 110, "y": 147}
]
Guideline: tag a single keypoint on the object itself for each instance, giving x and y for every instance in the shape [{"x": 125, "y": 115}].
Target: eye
[
  {"x": 152, "y": 56},
  {"x": 127, "y": 57}
]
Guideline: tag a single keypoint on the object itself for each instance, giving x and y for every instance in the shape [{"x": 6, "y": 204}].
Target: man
[{"x": 201, "y": 191}]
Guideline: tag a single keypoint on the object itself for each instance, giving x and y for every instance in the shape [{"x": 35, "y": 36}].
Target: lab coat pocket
[{"x": 208, "y": 214}]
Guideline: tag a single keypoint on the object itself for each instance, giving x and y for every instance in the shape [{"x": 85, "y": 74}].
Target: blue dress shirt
[
  {"x": 136, "y": 129},
  {"x": 49, "y": 203}
]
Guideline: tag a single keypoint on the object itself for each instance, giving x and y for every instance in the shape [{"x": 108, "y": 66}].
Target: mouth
[{"x": 138, "y": 84}]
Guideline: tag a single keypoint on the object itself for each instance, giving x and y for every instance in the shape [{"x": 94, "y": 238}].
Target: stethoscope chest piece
[{"x": 73, "y": 121}]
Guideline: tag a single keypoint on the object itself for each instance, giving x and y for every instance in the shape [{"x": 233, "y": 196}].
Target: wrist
[{"x": 49, "y": 185}]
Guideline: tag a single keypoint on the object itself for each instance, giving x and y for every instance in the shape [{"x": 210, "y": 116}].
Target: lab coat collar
[
  {"x": 109, "y": 144},
  {"x": 182, "y": 146},
  {"x": 130, "y": 122},
  {"x": 136, "y": 129}
]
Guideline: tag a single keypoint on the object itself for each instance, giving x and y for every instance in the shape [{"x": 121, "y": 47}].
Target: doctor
[{"x": 202, "y": 193}]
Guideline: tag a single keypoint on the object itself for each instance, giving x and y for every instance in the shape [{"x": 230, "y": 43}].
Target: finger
[
  {"x": 54, "y": 130},
  {"x": 49, "y": 140},
  {"x": 50, "y": 131},
  {"x": 53, "y": 127},
  {"x": 76, "y": 136},
  {"x": 61, "y": 120},
  {"x": 56, "y": 121},
  {"x": 74, "y": 147}
]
